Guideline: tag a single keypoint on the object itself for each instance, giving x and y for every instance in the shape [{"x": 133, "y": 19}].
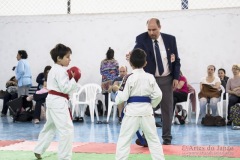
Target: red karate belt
[{"x": 61, "y": 95}]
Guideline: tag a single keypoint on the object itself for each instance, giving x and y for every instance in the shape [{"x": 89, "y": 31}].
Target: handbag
[
  {"x": 208, "y": 91},
  {"x": 210, "y": 120}
]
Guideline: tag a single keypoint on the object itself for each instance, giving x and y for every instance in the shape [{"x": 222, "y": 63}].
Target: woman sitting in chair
[
  {"x": 181, "y": 92},
  {"x": 223, "y": 78},
  {"x": 209, "y": 92},
  {"x": 39, "y": 97},
  {"x": 10, "y": 94},
  {"x": 233, "y": 88}
]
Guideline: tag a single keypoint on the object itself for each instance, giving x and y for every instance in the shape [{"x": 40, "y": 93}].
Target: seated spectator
[
  {"x": 181, "y": 92},
  {"x": 233, "y": 88},
  {"x": 209, "y": 92},
  {"x": 11, "y": 94},
  {"x": 223, "y": 78},
  {"x": 115, "y": 86},
  {"x": 41, "y": 77},
  {"x": 39, "y": 97}
]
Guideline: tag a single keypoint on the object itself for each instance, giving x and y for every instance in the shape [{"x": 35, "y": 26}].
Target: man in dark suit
[{"x": 163, "y": 62}]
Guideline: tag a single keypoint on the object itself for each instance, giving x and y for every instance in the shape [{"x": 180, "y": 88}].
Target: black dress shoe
[
  {"x": 166, "y": 142},
  {"x": 119, "y": 120},
  {"x": 158, "y": 124},
  {"x": 140, "y": 144},
  {"x": 81, "y": 120},
  {"x": 76, "y": 119}
]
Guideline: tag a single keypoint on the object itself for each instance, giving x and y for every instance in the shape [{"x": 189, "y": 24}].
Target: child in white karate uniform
[
  {"x": 142, "y": 94},
  {"x": 58, "y": 116}
]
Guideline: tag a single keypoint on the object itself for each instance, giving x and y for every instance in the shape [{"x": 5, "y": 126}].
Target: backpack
[
  {"x": 180, "y": 115},
  {"x": 210, "y": 120},
  {"x": 21, "y": 109},
  {"x": 235, "y": 115},
  {"x": 24, "y": 116}
]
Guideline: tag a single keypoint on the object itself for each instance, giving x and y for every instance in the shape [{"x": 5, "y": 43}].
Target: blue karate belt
[
  {"x": 139, "y": 99},
  {"x": 143, "y": 100}
]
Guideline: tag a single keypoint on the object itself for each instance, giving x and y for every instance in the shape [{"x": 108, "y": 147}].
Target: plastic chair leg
[
  {"x": 77, "y": 110},
  {"x": 73, "y": 108},
  {"x": 91, "y": 108},
  {"x": 189, "y": 113},
  {"x": 109, "y": 112},
  {"x": 114, "y": 112},
  {"x": 82, "y": 110},
  {"x": 96, "y": 111},
  {"x": 197, "y": 113}
]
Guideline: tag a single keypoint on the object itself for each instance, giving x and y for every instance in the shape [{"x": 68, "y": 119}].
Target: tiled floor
[{"x": 189, "y": 134}]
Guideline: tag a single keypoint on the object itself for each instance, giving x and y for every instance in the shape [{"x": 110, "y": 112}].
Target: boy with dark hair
[
  {"x": 58, "y": 115},
  {"x": 142, "y": 93}
]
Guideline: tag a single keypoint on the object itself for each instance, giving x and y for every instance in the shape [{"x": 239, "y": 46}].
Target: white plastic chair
[
  {"x": 91, "y": 90},
  {"x": 220, "y": 103},
  {"x": 111, "y": 105},
  {"x": 79, "y": 111},
  {"x": 197, "y": 108},
  {"x": 226, "y": 106},
  {"x": 187, "y": 106}
]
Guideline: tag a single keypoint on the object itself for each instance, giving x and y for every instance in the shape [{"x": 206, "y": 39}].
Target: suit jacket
[{"x": 143, "y": 41}]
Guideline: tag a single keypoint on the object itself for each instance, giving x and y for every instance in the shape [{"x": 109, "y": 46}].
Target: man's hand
[
  {"x": 172, "y": 57},
  {"x": 175, "y": 83},
  {"x": 236, "y": 89},
  {"x": 115, "y": 88}
]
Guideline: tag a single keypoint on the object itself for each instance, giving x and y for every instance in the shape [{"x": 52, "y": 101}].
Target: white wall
[{"x": 204, "y": 37}]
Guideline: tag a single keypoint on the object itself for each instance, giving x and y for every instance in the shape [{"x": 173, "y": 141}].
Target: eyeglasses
[
  {"x": 235, "y": 68},
  {"x": 210, "y": 69}
]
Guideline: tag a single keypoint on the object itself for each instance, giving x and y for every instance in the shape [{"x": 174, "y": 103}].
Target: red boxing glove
[{"x": 76, "y": 71}]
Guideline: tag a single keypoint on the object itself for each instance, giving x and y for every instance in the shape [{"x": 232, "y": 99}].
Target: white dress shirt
[{"x": 163, "y": 53}]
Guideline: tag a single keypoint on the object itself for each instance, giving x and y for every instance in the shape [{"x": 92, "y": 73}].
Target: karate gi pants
[
  {"x": 129, "y": 127},
  {"x": 58, "y": 119}
]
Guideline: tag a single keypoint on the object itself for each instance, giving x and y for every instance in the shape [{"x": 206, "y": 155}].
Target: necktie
[{"x": 158, "y": 56}]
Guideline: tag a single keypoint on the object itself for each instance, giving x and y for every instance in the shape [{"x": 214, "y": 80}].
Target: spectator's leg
[
  {"x": 213, "y": 105},
  {"x": 40, "y": 99},
  {"x": 232, "y": 101},
  {"x": 106, "y": 101},
  {"x": 37, "y": 110},
  {"x": 179, "y": 97},
  {"x": 120, "y": 108},
  {"x": 202, "y": 103},
  {"x": 6, "y": 99}
]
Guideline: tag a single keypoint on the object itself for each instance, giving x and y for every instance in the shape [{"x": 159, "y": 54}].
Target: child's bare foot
[{"x": 38, "y": 156}]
